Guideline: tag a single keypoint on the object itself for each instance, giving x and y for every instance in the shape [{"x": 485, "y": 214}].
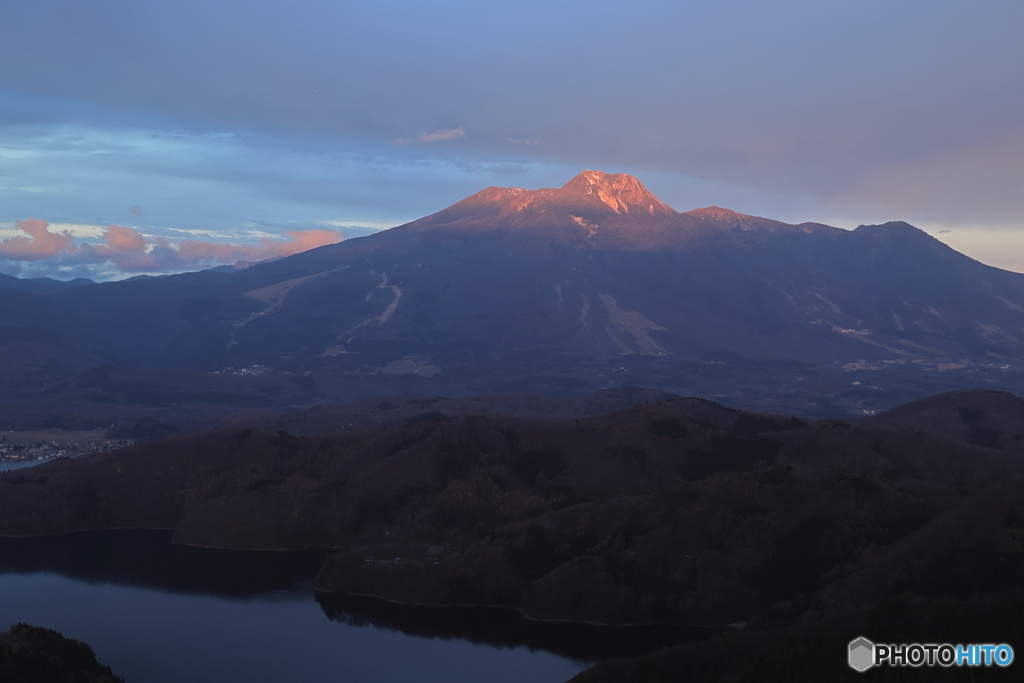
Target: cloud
[
  {"x": 443, "y": 134},
  {"x": 40, "y": 243},
  {"x": 195, "y": 252},
  {"x": 304, "y": 240},
  {"x": 122, "y": 239},
  {"x": 125, "y": 250},
  {"x": 892, "y": 89},
  {"x": 436, "y": 136}
]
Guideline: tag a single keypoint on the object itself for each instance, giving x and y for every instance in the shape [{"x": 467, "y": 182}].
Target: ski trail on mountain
[
  {"x": 389, "y": 311},
  {"x": 274, "y": 296},
  {"x": 584, "y": 312},
  {"x": 380, "y": 319},
  {"x": 631, "y": 323}
]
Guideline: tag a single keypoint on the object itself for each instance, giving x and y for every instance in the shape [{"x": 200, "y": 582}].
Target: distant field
[{"x": 58, "y": 435}]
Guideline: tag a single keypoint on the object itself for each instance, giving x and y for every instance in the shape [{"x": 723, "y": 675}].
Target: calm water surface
[
  {"x": 157, "y": 612},
  {"x": 148, "y": 635}
]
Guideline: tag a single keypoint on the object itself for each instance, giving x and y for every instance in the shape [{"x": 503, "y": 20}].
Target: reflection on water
[
  {"x": 148, "y": 558},
  {"x": 507, "y": 628},
  {"x": 160, "y": 613},
  {"x": 156, "y": 611},
  {"x": 152, "y": 636}
]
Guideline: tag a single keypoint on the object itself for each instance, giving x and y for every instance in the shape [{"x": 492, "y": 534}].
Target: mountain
[
  {"x": 790, "y": 536},
  {"x": 563, "y": 287},
  {"x": 31, "y": 653}
]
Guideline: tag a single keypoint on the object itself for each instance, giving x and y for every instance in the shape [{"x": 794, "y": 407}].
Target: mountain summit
[
  {"x": 590, "y": 200},
  {"x": 511, "y": 282},
  {"x": 620, "y": 192}
]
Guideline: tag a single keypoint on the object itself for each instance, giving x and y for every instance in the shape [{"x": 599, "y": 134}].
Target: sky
[{"x": 149, "y": 137}]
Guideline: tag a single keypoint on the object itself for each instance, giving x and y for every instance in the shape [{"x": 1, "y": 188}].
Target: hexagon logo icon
[{"x": 862, "y": 654}]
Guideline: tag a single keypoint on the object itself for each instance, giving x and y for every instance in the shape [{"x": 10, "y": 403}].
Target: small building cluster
[{"x": 11, "y": 451}]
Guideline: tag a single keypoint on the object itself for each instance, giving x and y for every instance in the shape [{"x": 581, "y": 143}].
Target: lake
[
  {"x": 156, "y": 612},
  {"x": 18, "y": 464}
]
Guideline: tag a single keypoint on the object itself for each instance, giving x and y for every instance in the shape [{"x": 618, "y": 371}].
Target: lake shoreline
[{"x": 148, "y": 558}]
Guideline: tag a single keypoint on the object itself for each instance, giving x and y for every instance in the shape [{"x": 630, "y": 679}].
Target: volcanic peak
[
  {"x": 589, "y": 193},
  {"x": 620, "y": 192}
]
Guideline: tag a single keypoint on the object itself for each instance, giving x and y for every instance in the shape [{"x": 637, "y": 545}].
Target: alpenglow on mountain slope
[{"x": 580, "y": 279}]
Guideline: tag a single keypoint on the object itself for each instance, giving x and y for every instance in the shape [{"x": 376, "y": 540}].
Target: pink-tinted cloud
[
  {"x": 190, "y": 251},
  {"x": 444, "y": 134},
  {"x": 40, "y": 243},
  {"x": 124, "y": 248},
  {"x": 304, "y": 240},
  {"x": 436, "y": 136},
  {"x": 121, "y": 239},
  {"x": 128, "y": 251}
]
